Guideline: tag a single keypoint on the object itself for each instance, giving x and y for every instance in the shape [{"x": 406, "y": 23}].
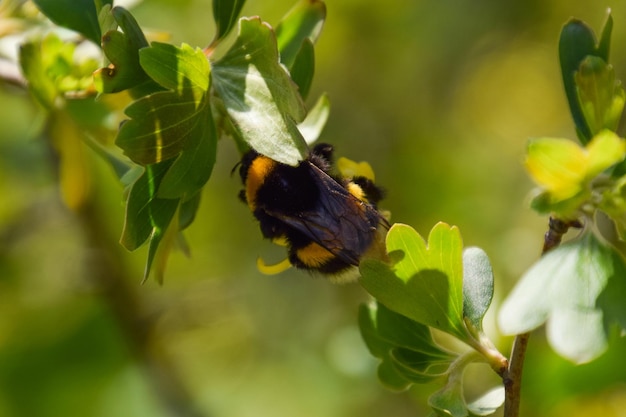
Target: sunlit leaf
[
  {"x": 165, "y": 124},
  {"x": 160, "y": 126},
  {"x": 564, "y": 169},
  {"x": 604, "y": 150},
  {"x": 259, "y": 96},
  {"x": 176, "y": 68},
  {"x": 315, "y": 121},
  {"x": 558, "y": 165},
  {"x": 563, "y": 289},
  {"x": 477, "y": 285},
  {"x": 426, "y": 283}
]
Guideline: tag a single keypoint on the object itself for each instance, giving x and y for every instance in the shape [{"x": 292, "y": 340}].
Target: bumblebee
[{"x": 326, "y": 221}]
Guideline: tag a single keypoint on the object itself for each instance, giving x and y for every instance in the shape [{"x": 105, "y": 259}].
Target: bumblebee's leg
[{"x": 271, "y": 228}]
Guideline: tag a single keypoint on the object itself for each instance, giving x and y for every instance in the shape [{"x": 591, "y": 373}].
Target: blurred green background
[{"x": 439, "y": 96}]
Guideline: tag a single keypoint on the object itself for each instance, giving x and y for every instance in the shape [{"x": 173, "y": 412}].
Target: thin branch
[{"x": 512, "y": 377}]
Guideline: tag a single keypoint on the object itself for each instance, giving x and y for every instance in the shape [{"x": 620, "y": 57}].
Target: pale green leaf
[
  {"x": 488, "y": 403},
  {"x": 315, "y": 121},
  {"x": 477, "y": 285},
  {"x": 563, "y": 289}
]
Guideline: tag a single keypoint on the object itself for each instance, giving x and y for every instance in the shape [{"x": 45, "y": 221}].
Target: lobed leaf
[
  {"x": 161, "y": 124},
  {"x": 177, "y": 123},
  {"x": 426, "y": 283},
  {"x": 565, "y": 290},
  {"x": 176, "y": 68},
  {"x": 259, "y": 96},
  {"x": 407, "y": 351},
  {"x": 565, "y": 170}
]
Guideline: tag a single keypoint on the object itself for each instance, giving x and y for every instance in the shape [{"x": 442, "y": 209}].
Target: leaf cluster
[
  {"x": 430, "y": 284},
  {"x": 576, "y": 288},
  {"x": 184, "y": 99}
]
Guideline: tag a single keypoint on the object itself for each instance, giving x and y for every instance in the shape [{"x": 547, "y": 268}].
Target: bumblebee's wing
[{"x": 339, "y": 222}]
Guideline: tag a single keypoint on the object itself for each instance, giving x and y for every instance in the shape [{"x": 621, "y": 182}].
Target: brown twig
[{"x": 512, "y": 377}]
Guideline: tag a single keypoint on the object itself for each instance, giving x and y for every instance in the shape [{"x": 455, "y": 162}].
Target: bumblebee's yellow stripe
[
  {"x": 314, "y": 255},
  {"x": 258, "y": 171},
  {"x": 357, "y": 191}
]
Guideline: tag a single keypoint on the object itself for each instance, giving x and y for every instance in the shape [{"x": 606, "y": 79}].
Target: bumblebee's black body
[{"x": 327, "y": 226}]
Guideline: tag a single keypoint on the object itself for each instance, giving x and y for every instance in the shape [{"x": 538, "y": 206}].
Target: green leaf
[
  {"x": 225, "y": 14},
  {"x": 311, "y": 127},
  {"x": 407, "y": 351},
  {"x": 613, "y": 203},
  {"x": 576, "y": 42},
  {"x": 420, "y": 367},
  {"x": 160, "y": 126},
  {"x": 193, "y": 167},
  {"x": 391, "y": 378},
  {"x": 449, "y": 401},
  {"x": 176, "y": 68},
  {"x": 122, "y": 49},
  {"x": 303, "y": 22},
  {"x": 42, "y": 87},
  {"x": 426, "y": 283},
  {"x": 259, "y": 96},
  {"x": 565, "y": 170},
  {"x": 303, "y": 68},
  {"x": 173, "y": 124},
  {"x": 145, "y": 212},
  {"x": 78, "y": 15},
  {"x": 600, "y": 96},
  {"x": 477, "y": 285},
  {"x": 562, "y": 289},
  {"x": 488, "y": 403}
]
